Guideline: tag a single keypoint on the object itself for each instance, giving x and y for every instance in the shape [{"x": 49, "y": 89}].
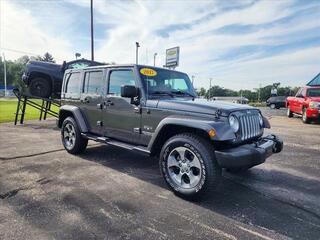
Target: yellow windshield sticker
[{"x": 148, "y": 72}]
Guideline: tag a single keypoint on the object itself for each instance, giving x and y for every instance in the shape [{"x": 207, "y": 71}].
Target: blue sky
[{"x": 240, "y": 44}]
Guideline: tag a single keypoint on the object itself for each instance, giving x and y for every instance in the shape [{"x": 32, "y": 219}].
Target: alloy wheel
[
  {"x": 69, "y": 135},
  {"x": 184, "y": 167}
]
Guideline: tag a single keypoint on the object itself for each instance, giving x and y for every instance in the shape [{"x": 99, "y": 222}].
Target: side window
[
  {"x": 66, "y": 79},
  {"x": 299, "y": 92},
  {"x": 73, "y": 84},
  {"x": 93, "y": 82},
  {"x": 119, "y": 78}
]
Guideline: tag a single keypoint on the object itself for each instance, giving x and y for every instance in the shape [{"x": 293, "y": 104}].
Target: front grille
[{"x": 249, "y": 126}]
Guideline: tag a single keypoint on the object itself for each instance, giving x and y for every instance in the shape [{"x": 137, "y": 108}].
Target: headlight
[
  {"x": 314, "y": 105},
  {"x": 260, "y": 120},
  {"x": 234, "y": 123}
]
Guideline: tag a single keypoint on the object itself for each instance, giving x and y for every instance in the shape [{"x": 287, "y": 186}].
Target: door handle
[
  {"x": 86, "y": 100},
  {"x": 108, "y": 103},
  {"x": 99, "y": 105}
]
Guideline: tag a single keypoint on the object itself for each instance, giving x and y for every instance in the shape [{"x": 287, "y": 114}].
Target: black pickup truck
[
  {"x": 155, "y": 111},
  {"x": 44, "y": 79}
]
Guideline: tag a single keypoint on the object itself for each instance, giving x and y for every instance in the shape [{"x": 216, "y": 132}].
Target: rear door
[
  {"x": 91, "y": 99},
  {"x": 121, "y": 118}
]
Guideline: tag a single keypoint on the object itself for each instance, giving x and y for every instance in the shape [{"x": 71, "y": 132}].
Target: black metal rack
[{"x": 44, "y": 108}]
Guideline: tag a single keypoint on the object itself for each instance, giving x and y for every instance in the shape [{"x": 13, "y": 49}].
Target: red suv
[{"x": 305, "y": 103}]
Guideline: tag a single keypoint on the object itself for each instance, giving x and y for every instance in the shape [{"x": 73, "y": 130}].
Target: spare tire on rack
[{"x": 40, "y": 87}]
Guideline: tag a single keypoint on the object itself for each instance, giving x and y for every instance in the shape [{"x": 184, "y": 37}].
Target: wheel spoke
[
  {"x": 172, "y": 162},
  {"x": 178, "y": 177},
  {"x": 194, "y": 179},
  {"x": 195, "y": 163},
  {"x": 181, "y": 151}
]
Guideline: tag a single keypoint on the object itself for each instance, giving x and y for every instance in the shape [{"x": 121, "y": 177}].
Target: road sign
[{"x": 172, "y": 57}]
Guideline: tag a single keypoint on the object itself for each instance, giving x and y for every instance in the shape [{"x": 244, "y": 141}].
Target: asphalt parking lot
[{"x": 109, "y": 193}]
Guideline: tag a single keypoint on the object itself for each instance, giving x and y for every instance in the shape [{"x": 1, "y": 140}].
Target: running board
[{"x": 116, "y": 143}]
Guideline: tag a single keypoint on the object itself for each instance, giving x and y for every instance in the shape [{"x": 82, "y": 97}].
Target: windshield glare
[
  {"x": 315, "y": 92},
  {"x": 165, "y": 81}
]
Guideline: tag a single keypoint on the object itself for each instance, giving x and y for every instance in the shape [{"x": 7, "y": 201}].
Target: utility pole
[
  {"x": 259, "y": 92},
  {"x": 137, "y": 47},
  {"x": 154, "y": 58},
  {"x": 5, "y": 74},
  {"x": 210, "y": 89},
  {"x": 92, "y": 44}
]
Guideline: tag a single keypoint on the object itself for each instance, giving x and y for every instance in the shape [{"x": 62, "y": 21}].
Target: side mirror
[{"x": 129, "y": 91}]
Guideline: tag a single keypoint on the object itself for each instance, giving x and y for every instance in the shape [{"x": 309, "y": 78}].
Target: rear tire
[
  {"x": 40, "y": 87},
  {"x": 305, "y": 118},
  {"x": 289, "y": 113},
  {"x": 188, "y": 165},
  {"x": 71, "y": 137}
]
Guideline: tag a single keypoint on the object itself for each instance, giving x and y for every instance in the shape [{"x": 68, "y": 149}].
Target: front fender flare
[{"x": 222, "y": 129}]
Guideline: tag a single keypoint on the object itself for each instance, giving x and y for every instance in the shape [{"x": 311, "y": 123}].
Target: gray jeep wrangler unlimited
[{"x": 155, "y": 111}]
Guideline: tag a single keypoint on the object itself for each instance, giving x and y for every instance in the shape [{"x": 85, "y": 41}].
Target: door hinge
[
  {"x": 99, "y": 123},
  {"x": 137, "y": 130},
  {"x": 137, "y": 110}
]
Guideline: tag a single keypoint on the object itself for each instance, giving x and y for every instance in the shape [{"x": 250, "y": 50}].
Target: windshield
[
  {"x": 314, "y": 92},
  {"x": 166, "y": 82}
]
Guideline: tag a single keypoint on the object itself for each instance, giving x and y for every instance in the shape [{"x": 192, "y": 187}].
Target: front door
[
  {"x": 121, "y": 118},
  {"x": 91, "y": 100}
]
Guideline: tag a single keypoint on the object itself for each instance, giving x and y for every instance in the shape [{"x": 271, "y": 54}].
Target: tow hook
[{"x": 277, "y": 143}]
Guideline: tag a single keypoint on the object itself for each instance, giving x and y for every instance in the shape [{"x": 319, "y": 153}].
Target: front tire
[
  {"x": 289, "y": 113},
  {"x": 272, "y": 106},
  {"x": 71, "y": 137},
  {"x": 305, "y": 118},
  {"x": 188, "y": 165}
]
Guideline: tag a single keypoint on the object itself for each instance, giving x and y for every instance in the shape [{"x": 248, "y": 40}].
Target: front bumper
[
  {"x": 313, "y": 112},
  {"x": 249, "y": 155}
]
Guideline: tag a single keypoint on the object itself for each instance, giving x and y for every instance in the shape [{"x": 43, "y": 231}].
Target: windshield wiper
[
  {"x": 161, "y": 93},
  {"x": 183, "y": 93}
]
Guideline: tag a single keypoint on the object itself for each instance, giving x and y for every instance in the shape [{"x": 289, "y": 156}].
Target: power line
[{"x": 28, "y": 53}]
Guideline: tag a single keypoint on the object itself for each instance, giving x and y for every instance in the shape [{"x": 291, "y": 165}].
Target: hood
[{"x": 201, "y": 106}]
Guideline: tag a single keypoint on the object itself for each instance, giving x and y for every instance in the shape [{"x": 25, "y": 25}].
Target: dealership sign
[{"x": 172, "y": 57}]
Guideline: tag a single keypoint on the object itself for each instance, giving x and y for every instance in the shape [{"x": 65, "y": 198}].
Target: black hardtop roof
[{"x": 120, "y": 66}]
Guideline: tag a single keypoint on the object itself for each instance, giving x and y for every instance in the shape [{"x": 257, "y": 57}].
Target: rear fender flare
[{"x": 76, "y": 113}]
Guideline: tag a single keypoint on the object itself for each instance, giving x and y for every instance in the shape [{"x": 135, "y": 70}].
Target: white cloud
[{"x": 21, "y": 31}]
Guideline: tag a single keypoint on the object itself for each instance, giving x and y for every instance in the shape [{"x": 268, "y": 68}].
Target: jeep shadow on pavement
[{"x": 155, "y": 111}]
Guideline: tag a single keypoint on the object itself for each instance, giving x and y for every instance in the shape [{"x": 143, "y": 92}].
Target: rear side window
[
  {"x": 93, "y": 83},
  {"x": 119, "y": 78},
  {"x": 73, "y": 83}
]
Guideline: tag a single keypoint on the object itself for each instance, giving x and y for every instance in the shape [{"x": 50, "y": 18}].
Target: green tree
[
  {"x": 47, "y": 57},
  {"x": 202, "y": 92}
]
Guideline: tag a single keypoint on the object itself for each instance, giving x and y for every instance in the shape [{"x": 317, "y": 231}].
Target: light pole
[
  {"x": 92, "y": 46},
  {"x": 154, "y": 58},
  {"x": 210, "y": 90},
  {"x": 137, "y": 47},
  {"x": 192, "y": 77},
  {"x": 5, "y": 74}
]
